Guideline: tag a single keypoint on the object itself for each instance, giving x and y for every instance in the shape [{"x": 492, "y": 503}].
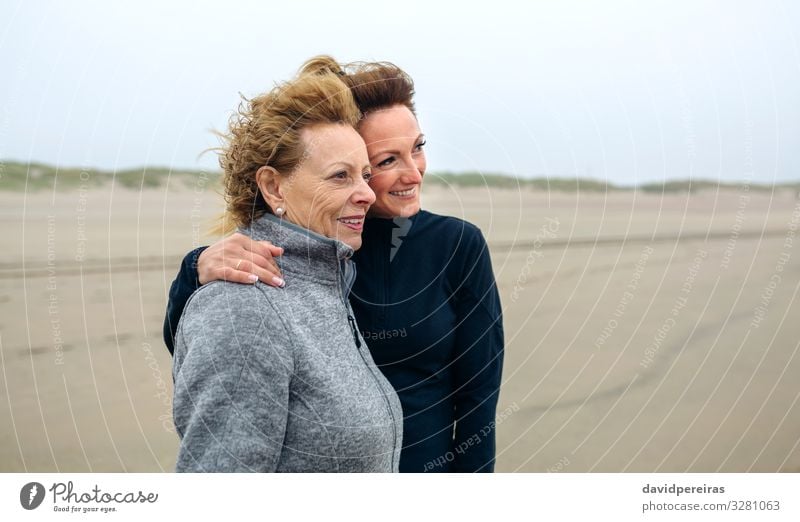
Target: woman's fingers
[
  {"x": 265, "y": 269},
  {"x": 233, "y": 275},
  {"x": 265, "y": 249},
  {"x": 263, "y": 252},
  {"x": 239, "y": 259}
]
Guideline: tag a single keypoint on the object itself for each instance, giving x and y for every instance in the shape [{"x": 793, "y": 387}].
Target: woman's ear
[{"x": 269, "y": 183}]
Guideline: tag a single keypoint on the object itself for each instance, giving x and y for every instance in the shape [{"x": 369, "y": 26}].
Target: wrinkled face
[
  {"x": 395, "y": 147},
  {"x": 328, "y": 192}
]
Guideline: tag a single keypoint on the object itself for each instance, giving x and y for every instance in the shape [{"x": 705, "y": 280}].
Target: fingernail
[
  {"x": 278, "y": 281},
  {"x": 253, "y": 278}
]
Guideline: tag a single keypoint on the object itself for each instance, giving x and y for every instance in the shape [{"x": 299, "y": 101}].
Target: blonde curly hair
[{"x": 265, "y": 131}]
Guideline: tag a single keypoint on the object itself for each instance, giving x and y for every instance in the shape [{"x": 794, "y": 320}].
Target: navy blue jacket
[{"x": 427, "y": 304}]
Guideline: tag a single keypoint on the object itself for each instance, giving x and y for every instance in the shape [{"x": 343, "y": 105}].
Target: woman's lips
[
  {"x": 404, "y": 194},
  {"x": 352, "y": 222}
]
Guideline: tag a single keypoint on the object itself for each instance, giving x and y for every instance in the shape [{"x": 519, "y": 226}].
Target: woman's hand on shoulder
[{"x": 239, "y": 259}]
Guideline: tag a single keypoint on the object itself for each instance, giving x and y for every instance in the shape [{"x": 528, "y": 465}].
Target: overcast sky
[{"x": 624, "y": 91}]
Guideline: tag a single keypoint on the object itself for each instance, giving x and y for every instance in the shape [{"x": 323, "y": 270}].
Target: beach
[{"x": 645, "y": 332}]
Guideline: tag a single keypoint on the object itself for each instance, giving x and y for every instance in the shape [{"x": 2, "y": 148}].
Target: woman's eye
[
  {"x": 367, "y": 176},
  {"x": 385, "y": 163},
  {"x": 420, "y": 145},
  {"x": 340, "y": 175}
]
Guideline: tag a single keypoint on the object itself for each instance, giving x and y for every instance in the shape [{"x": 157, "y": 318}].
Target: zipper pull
[{"x": 353, "y": 327}]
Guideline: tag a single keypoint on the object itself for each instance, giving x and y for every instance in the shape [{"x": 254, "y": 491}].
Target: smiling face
[
  {"x": 328, "y": 192},
  {"x": 395, "y": 148}
]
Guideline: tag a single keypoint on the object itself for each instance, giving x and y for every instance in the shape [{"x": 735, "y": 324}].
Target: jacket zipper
[{"x": 351, "y": 320}]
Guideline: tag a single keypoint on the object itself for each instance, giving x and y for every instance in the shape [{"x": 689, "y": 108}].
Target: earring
[{"x": 280, "y": 211}]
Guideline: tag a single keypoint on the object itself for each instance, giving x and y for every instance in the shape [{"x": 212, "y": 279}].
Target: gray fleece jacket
[{"x": 280, "y": 379}]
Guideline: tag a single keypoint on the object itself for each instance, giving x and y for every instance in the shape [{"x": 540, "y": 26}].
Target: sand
[{"x": 645, "y": 332}]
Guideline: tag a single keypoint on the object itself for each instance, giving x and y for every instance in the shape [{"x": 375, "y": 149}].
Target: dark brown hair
[{"x": 375, "y": 85}]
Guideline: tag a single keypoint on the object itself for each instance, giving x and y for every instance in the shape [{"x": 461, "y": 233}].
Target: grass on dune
[{"x": 32, "y": 177}]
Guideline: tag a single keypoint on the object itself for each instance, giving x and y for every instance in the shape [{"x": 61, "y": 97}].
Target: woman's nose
[
  {"x": 413, "y": 173},
  {"x": 363, "y": 194}
]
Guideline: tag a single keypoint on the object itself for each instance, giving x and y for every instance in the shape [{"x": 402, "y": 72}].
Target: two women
[
  {"x": 425, "y": 296},
  {"x": 280, "y": 379}
]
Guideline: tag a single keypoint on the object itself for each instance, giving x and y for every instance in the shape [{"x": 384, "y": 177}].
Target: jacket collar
[{"x": 305, "y": 253}]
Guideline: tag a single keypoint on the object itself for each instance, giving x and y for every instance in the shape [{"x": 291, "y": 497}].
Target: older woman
[
  {"x": 280, "y": 379},
  {"x": 425, "y": 294}
]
